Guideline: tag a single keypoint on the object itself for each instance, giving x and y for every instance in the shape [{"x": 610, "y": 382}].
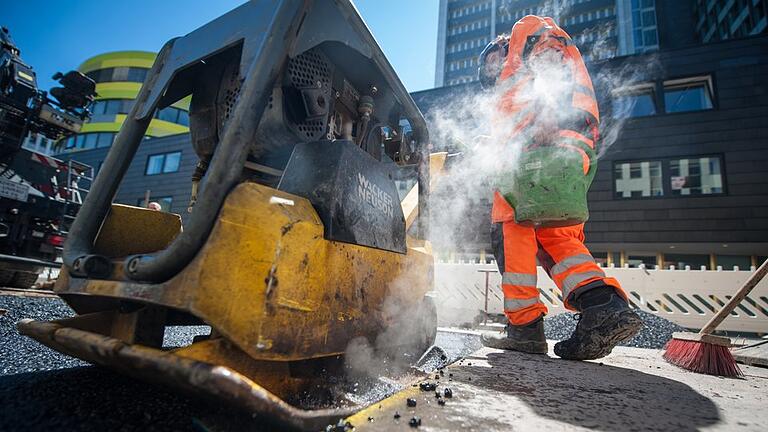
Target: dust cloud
[{"x": 484, "y": 151}]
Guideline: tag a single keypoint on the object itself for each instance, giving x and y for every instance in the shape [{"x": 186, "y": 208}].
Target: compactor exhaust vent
[
  {"x": 311, "y": 70},
  {"x": 231, "y": 94}
]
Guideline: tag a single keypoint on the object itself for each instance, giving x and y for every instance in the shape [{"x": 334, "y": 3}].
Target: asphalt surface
[{"x": 43, "y": 390}]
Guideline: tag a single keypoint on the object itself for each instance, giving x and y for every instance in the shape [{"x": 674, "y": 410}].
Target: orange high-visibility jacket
[{"x": 531, "y": 36}]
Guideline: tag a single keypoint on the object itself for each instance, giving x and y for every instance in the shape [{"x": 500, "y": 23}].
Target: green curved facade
[{"x": 119, "y": 76}]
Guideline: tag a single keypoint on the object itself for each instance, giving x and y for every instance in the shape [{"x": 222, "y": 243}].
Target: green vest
[{"x": 548, "y": 187}]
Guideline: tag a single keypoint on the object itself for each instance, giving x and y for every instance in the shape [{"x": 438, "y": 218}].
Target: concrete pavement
[{"x": 631, "y": 390}]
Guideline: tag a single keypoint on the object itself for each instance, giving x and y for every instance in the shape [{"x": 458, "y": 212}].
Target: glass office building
[{"x": 601, "y": 29}]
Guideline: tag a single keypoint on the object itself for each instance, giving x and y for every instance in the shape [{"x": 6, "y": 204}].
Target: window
[
  {"x": 163, "y": 163},
  {"x": 112, "y": 106},
  {"x": 168, "y": 114},
  {"x": 680, "y": 261},
  {"x": 696, "y": 176},
  {"x": 173, "y": 115},
  {"x": 601, "y": 258},
  {"x": 129, "y": 74},
  {"x": 645, "y": 33},
  {"x": 691, "y": 94},
  {"x": 634, "y": 102},
  {"x": 634, "y": 260},
  {"x": 105, "y": 139},
  {"x": 89, "y": 140},
  {"x": 638, "y": 179},
  {"x": 165, "y": 202},
  {"x": 728, "y": 262}
]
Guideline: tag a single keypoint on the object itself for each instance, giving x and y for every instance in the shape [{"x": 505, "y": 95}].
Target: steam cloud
[{"x": 471, "y": 126}]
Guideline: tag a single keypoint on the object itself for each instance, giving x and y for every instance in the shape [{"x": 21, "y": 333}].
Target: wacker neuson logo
[{"x": 375, "y": 196}]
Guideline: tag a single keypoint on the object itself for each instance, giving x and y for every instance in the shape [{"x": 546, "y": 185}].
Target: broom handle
[{"x": 753, "y": 280}]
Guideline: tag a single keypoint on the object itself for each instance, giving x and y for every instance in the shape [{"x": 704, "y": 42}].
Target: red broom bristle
[{"x": 702, "y": 357}]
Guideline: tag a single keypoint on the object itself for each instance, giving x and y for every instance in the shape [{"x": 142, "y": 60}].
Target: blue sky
[{"x": 58, "y": 35}]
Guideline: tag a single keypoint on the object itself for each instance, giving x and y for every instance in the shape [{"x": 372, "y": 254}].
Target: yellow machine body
[
  {"x": 268, "y": 281},
  {"x": 286, "y": 96}
]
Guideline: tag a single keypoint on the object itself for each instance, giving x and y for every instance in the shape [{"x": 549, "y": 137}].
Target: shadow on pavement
[
  {"x": 594, "y": 396},
  {"x": 95, "y": 399}
]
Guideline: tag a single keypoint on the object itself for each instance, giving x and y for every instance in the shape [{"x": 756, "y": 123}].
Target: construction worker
[{"x": 563, "y": 125}]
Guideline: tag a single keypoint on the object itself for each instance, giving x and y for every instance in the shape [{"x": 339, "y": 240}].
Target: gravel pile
[{"x": 654, "y": 334}]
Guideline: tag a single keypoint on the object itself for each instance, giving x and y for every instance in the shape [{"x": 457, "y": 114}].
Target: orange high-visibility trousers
[{"x": 560, "y": 250}]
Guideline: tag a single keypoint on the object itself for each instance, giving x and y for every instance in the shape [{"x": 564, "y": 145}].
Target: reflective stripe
[
  {"x": 565, "y": 133},
  {"x": 570, "y": 262},
  {"x": 585, "y": 162},
  {"x": 511, "y": 304},
  {"x": 519, "y": 279},
  {"x": 577, "y": 279}
]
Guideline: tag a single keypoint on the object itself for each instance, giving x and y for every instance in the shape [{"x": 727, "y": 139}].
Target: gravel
[
  {"x": 43, "y": 390},
  {"x": 19, "y": 353},
  {"x": 654, "y": 334}
]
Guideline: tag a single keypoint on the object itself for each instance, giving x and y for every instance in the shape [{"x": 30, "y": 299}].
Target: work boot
[
  {"x": 605, "y": 320},
  {"x": 526, "y": 338}
]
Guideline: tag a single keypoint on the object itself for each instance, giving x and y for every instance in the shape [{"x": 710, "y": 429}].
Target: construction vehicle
[
  {"x": 39, "y": 194},
  {"x": 297, "y": 242}
]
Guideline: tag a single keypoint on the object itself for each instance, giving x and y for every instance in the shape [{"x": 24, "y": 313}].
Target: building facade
[
  {"x": 161, "y": 171},
  {"x": 601, "y": 28},
  {"x": 686, "y": 181},
  {"x": 118, "y": 77},
  {"x": 718, "y": 20}
]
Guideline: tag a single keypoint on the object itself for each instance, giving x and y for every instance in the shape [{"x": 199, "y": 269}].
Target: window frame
[
  {"x": 706, "y": 79},
  {"x": 666, "y": 177},
  {"x": 165, "y": 157},
  {"x": 658, "y": 88},
  {"x": 723, "y": 176},
  {"x": 631, "y": 161},
  {"x": 632, "y": 90}
]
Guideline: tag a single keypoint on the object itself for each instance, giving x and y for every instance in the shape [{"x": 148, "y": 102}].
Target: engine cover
[{"x": 352, "y": 192}]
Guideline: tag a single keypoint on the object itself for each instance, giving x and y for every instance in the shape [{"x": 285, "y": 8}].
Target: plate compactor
[{"x": 297, "y": 242}]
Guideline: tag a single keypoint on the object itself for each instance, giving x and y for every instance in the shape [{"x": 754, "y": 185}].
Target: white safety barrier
[{"x": 687, "y": 297}]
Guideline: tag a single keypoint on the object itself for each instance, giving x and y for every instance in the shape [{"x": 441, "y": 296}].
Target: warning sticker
[
  {"x": 533, "y": 165},
  {"x": 13, "y": 190}
]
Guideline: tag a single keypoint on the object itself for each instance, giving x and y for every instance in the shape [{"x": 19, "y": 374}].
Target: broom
[{"x": 704, "y": 352}]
